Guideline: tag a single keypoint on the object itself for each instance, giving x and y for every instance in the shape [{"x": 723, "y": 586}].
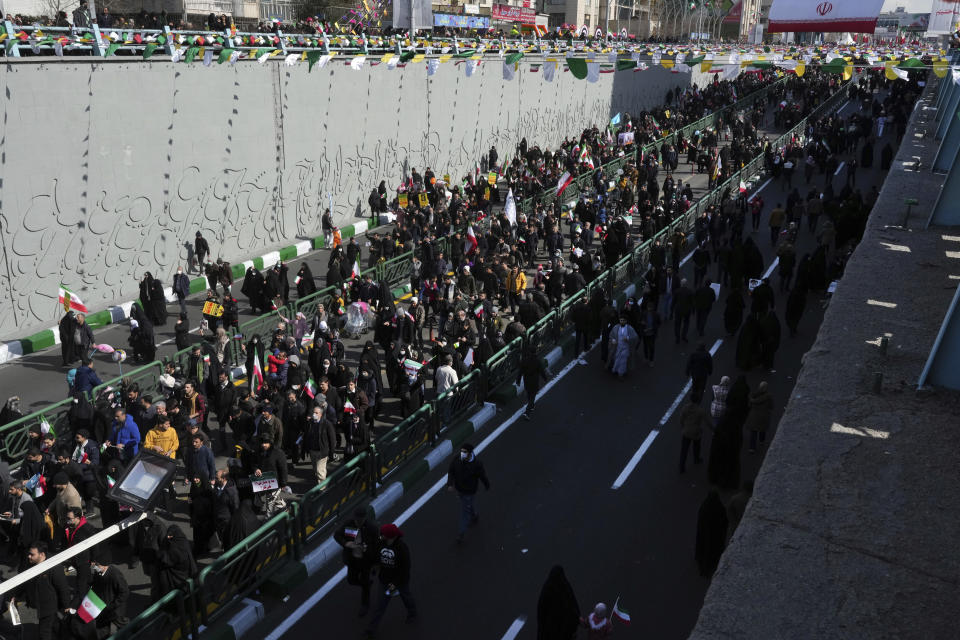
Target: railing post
[
  {"x": 373, "y": 470},
  {"x": 99, "y": 49}
]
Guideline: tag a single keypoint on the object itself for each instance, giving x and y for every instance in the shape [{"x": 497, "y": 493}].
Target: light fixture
[{"x": 147, "y": 475}]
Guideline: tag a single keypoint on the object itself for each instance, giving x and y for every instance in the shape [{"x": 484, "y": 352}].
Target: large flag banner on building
[
  {"x": 943, "y": 17},
  {"x": 855, "y": 16},
  {"x": 735, "y": 14}
]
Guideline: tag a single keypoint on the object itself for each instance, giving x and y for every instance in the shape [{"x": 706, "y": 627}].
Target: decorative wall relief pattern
[{"x": 219, "y": 160}]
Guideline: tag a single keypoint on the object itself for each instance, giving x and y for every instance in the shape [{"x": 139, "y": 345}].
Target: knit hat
[
  {"x": 390, "y": 531},
  {"x": 60, "y": 478}
]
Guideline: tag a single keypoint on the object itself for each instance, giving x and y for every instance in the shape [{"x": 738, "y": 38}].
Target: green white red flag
[
  {"x": 69, "y": 301},
  {"x": 91, "y": 607}
]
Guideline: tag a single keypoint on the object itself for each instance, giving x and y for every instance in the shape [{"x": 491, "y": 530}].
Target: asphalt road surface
[{"x": 552, "y": 500}]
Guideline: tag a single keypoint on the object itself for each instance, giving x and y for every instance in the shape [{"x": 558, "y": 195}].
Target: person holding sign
[{"x": 270, "y": 460}]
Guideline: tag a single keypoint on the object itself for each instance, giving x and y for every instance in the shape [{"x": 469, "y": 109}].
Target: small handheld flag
[
  {"x": 620, "y": 613},
  {"x": 70, "y": 301},
  {"x": 91, "y": 607}
]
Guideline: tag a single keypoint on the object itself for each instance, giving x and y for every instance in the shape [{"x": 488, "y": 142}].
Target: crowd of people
[{"x": 306, "y": 401}]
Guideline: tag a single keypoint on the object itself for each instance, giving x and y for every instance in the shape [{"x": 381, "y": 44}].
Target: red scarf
[{"x": 83, "y": 521}]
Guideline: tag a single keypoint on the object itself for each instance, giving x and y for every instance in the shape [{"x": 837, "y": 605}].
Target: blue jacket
[
  {"x": 85, "y": 380},
  {"x": 127, "y": 434},
  {"x": 200, "y": 462}
]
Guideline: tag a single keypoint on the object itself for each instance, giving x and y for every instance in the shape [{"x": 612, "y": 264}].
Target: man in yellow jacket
[{"x": 516, "y": 285}]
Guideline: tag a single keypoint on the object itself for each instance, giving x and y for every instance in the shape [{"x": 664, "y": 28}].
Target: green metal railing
[{"x": 246, "y": 566}]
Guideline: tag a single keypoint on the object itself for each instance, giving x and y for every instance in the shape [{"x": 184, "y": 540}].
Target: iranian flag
[
  {"x": 564, "y": 182},
  {"x": 348, "y": 407},
  {"x": 503, "y": 167},
  {"x": 620, "y": 613},
  {"x": 110, "y": 482},
  {"x": 70, "y": 301},
  {"x": 411, "y": 368},
  {"x": 91, "y": 607},
  {"x": 470, "y": 243},
  {"x": 41, "y": 487},
  {"x": 310, "y": 388},
  {"x": 355, "y": 272},
  {"x": 478, "y": 310},
  {"x": 257, "y": 373},
  {"x": 585, "y": 157},
  {"x": 743, "y": 187}
]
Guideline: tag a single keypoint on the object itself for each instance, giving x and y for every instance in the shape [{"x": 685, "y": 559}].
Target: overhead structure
[
  {"x": 944, "y": 15},
  {"x": 824, "y": 16}
]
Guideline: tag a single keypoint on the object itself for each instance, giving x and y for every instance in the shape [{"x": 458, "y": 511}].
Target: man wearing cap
[
  {"x": 268, "y": 425},
  {"x": 394, "y": 560},
  {"x": 360, "y": 540},
  {"x": 464, "y": 476}
]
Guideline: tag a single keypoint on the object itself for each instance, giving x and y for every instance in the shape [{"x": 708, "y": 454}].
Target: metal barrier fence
[
  {"x": 354, "y": 483},
  {"x": 244, "y": 567}
]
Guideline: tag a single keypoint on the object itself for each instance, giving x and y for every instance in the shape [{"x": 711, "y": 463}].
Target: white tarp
[{"x": 855, "y": 16}]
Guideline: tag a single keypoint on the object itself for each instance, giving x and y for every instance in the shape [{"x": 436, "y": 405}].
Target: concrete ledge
[
  {"x": 285, "y": 579},
  {"x": 250, "y": 614}
]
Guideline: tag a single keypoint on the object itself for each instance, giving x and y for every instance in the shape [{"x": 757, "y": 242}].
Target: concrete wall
[{"x": 107, "y": 169}]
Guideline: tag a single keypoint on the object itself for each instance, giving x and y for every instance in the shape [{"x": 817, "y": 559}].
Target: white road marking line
[
  {"x": 839, "y": 168},
  {"x": 515, "y": 628},
  {"x": 635, "y": 460},
  {"x": 762, "y": 187},
  {"x": 328, "y": 586}
]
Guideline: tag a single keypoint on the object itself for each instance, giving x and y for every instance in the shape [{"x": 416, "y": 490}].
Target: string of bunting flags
[{"x": 596, "y": 56}]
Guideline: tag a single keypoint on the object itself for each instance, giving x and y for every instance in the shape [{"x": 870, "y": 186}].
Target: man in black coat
[
  {"x": 226, "y": 501},
  {"x": 48, "y": 593},
  {"x": 394, "y": 556},
  {"x": 111, "y": 587},
  {"x": 464, "y": 476},
  {"x": 699, "y": 368},
  {"x": 682, "y": 309},
  {"x": 703, "y": 301},
  {"x": 319, "y": 440}
]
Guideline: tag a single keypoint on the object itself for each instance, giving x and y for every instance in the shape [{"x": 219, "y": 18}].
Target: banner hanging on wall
[{"x": 824, "y": 16}]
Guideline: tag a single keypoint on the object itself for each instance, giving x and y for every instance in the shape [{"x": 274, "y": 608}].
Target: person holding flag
[{"x": 104, "y": 607}]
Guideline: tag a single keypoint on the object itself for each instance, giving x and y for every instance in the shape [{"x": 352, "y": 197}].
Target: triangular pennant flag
[
  {"x": 578, "y": 67},
  {"x": 224, "y": 55},
  {"x": 148, "y": 50}
]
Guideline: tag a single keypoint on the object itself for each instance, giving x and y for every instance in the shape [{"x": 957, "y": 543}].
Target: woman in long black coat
[
  {"x": 711, "y": 533},
  {"x": 253, "y": 288},
  {"x": 175, "y": 562},
  {"x": 796, "y": 303},
  {"x": 158, "y": 303},
  {"x": 558, "y": 614},
  {"x": 304, "y": 280},
  {"x": 748, "y": 344},
  {"x": 733, "y": 312},
  {"x": 723, "y": 465}
]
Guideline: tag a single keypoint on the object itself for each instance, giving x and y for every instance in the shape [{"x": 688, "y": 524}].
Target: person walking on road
[
  {"x": 761, "y": 411},
  {"x": 181, "y": 288},
  {"x": 464, "y": 476},
  {"x": 394, "y": 559},
  {"x": 649, "y": 325},
  {"x": 532, "y": 370},
  {"x": 777, "y": 218},
  {"x": 711, "y": 533},
  {"x": 699, "y": 368},
  {"x": 693, "y": 419},
  {"x": 682, "y": 308},
  {"x": 201, "y": 249},
  {"x": 558, "y": 614},
  {"x": 360, "y": 541},
  {"x": 703, "y": 300}
]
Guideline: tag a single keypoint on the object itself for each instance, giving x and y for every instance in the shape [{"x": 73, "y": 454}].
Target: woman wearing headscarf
[
  {"x": 761, "y": 412},
  {"x": 733, "y": 312},
  {"x": 142, "y": 339},
  {"x": 158, "y": 303},
  {"x": 252, "y": 287},
  {"x": 304, "y": 281},
  {"x": 182, "y": 332},
  {"x": 723, "y": 466},
  {"x": 146, "y": 294},
  {"x": 711, "y": 533},
  {"x": 31, "y": 531},
  {"x": 558, "y": 614},
  {"x": 243, "y": 522},
  {"x": 201, "y": 513},
  {"x": 175, "y": 563}
]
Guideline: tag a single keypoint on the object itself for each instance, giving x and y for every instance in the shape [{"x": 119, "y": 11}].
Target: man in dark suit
[{"x": 682, "y": 309}]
